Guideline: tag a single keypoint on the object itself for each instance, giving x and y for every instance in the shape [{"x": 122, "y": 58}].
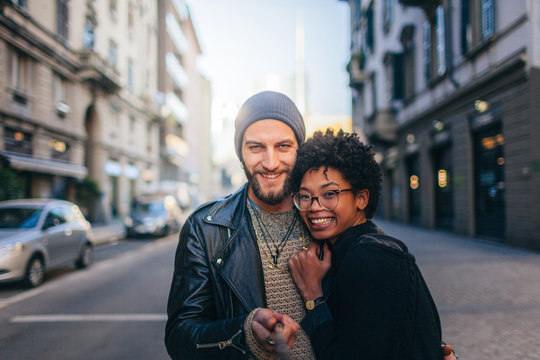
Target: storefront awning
[{"x": 47, "y": 166}]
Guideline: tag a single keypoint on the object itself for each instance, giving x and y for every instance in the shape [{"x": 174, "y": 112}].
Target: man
[
  {"x": 231, "y": 260},
  {"x": 232, "y": 295}
]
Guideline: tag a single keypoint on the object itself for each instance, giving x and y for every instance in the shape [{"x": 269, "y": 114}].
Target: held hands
[
  {"x": 268, "y": 326},
  {"x": 308, "y": 270}
]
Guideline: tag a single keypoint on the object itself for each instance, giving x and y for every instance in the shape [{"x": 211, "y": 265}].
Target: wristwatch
[{"x": 310, "y": 304}]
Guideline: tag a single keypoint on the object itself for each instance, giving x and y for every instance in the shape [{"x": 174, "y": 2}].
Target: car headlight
[
  {"x": 11, "y": 248},
  {"x": 128, "y": 221}
]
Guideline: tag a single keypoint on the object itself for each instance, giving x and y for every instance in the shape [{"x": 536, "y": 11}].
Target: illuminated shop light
[
  {"x": 442, "y": 177},
  {"x": 414, "y": 183}
]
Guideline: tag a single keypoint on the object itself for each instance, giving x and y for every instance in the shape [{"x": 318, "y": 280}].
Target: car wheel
[
  {"x": 86, "y": 257},
  {"x": 35, "y": 272}
]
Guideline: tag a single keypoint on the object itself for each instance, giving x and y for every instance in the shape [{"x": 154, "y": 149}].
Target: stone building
[
  {"x": 446, "y": 91},
  {"x": 186, "y": 163},
  {"x": 88, "y": 91}
]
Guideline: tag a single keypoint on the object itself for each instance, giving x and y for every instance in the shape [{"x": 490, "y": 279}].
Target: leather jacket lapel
[{"x": 238, "y": 261}]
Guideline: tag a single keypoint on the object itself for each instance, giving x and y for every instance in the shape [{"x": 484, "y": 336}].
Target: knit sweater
[{"x": 282, "y": 296}]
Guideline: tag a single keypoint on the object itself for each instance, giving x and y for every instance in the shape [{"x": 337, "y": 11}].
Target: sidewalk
[
  {"x": 488, "y": 295},
  {"x": 108, "y": 232}
]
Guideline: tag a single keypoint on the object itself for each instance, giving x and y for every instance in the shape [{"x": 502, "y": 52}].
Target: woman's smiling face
[{"x": 330, "y": 224}]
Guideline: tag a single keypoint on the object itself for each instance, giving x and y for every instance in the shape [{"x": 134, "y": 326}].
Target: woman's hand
[
  {"x": 308, "y": 270},
  {"x": 266, "y": 323}
]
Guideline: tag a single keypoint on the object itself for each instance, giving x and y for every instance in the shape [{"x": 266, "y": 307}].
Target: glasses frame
[{"x": 338, "y": 191}]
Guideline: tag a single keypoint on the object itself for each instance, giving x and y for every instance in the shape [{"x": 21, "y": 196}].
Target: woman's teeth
[{"x": 321, "y": 221}]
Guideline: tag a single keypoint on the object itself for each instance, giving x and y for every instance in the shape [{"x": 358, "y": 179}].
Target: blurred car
[
  {"x": 154, "y": 216},
  {"x": 40, "y": 234}
]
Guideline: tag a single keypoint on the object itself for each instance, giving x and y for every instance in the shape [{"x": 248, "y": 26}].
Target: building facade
[
  {"x": 446, "y": 92},
  {"x": 186, "y": 162},
  {"x": 82, "y": 102}
]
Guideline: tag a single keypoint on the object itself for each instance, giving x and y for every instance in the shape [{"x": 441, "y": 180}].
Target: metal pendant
[{"x": 270, "y": 266}]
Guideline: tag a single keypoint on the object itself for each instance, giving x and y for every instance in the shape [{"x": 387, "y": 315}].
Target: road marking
[{"x": 87, "y": 317}]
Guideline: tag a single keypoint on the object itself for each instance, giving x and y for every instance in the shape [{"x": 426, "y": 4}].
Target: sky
[{"x": 243, "y": 41}]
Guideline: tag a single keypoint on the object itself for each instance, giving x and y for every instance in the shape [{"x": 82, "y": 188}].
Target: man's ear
[{"x": 362, "y": 199}]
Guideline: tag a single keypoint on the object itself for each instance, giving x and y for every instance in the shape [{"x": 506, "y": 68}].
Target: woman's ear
[{"x": 362, "y": 199}]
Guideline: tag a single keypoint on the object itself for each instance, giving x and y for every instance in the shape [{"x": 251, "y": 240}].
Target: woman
[{"x": 366, "y": 298}]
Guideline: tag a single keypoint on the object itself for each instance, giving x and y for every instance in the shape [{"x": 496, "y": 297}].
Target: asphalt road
[{"x": 116, "y": 309}]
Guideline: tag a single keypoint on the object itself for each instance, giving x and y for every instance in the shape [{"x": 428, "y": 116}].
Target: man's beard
[{"x": 273, "y": 197}]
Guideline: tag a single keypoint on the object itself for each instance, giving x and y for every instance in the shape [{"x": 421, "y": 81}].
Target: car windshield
[
  {"x": 19, "y": 218},
  {"x": 155, "y": 207}
]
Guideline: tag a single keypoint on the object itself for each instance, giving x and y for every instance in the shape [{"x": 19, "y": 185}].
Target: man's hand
[
  {"x": 264, "y": 323},
  {"x": 448, "y": 352},
  {"x": 308, "y": 270}
]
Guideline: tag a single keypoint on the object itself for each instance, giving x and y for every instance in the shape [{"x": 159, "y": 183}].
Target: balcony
[
  {"x": 381, "y": 128},
  {"x": 357, "y": 75},
  {"x": 94, "y": 69}
]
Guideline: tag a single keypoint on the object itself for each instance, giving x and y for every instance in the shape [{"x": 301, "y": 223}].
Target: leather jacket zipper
[{"x": 223, "y": 344}]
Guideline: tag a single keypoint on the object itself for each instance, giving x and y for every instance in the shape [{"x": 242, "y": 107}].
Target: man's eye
[
  {"x": 255, "y": 147},
  {"x": 284, "y": 146}
]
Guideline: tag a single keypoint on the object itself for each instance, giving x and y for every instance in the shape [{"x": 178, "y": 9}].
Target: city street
[
  {"x": 488, "y": 295},
  {"x": 113, "y": 310}
]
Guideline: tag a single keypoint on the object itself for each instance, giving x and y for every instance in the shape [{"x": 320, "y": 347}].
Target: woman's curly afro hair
[{"x": 345, "y": 153}]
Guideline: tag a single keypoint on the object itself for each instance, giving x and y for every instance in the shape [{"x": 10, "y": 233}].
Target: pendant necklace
[{"x": 278, "y": 247}]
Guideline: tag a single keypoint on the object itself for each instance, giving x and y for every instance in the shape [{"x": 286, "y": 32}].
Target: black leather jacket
[{"x": 217, "y": 282}]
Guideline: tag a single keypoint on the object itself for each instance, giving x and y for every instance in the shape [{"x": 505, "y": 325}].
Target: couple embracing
[{"x": 291, "y": 266}]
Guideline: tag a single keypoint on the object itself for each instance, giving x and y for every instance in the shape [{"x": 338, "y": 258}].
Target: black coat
[
  {"x": 217, "y": 280},
  {"x": 377, "y": 303}
]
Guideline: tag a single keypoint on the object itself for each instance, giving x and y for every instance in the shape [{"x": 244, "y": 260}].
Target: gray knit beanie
[{"x": 268, "y": 105}]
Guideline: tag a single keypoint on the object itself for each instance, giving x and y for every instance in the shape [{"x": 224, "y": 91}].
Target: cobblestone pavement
[{"x": 488, "y": 295}]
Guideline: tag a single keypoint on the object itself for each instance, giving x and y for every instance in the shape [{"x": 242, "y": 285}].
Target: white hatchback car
[{"x": 40, "y": 234}]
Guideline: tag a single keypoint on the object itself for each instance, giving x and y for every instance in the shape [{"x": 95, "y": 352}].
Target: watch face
[{"x": 310, "y": 304}]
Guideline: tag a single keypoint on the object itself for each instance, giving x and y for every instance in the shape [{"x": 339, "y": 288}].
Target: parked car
[
  {"x": 154, "y": 216},
  {"x": 40, "y": 234}
]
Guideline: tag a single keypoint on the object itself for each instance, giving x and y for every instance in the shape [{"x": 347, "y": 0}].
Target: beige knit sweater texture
[{"x": 282, "y": 296}]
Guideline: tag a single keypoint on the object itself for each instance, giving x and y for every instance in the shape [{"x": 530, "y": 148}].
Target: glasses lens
[
  {"x": 302, "y": 201},
  {"x": 329, "y": 200}
]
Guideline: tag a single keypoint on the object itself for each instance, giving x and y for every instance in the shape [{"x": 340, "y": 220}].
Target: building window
[
  {"x": 373, "y": 81},
  {"x": 149, "y": 137},
  {"x": 113, "y": 9},
  {"x": 370, "y": 28},
  {"x": 20, "y": 3},
  {"x": 19, "y": 71},
  {"x": 60, "y": 89},
  {"x": 17, "y": 141},
  {"x": 130, "y": 80},
  {"x": 60, "y": 93},
  {"x": 113, "y": 53},
  {"x": 408, "y": 66},
  {"x": 132, "y": 123},
  {"x": 435, "y": 45},
  {"x": 387, "y": 14},
  {"x": 115, "y": 121},
  {"x": 89, "y": 35},
  {"x": 477, "y": 22},
  {"x": 59, "y": 150},
  {"x": 62, "y": 18},
  {"x": 130, "y": 19}
]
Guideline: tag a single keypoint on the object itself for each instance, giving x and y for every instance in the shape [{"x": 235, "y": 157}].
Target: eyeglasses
[{"x": 328, "y": 201}]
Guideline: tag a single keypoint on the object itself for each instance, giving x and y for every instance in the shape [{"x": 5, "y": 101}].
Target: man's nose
[{"x": 271, "y": 160}]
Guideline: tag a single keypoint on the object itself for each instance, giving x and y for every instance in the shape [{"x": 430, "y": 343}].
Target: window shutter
[
  {"x": 488, "y": 21},
  {"x": 465, "y": 23},
  {"x": 441, "y": 40},
  {"x": 399, "y": 76},
  {"x": 427, "y": 50}
]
